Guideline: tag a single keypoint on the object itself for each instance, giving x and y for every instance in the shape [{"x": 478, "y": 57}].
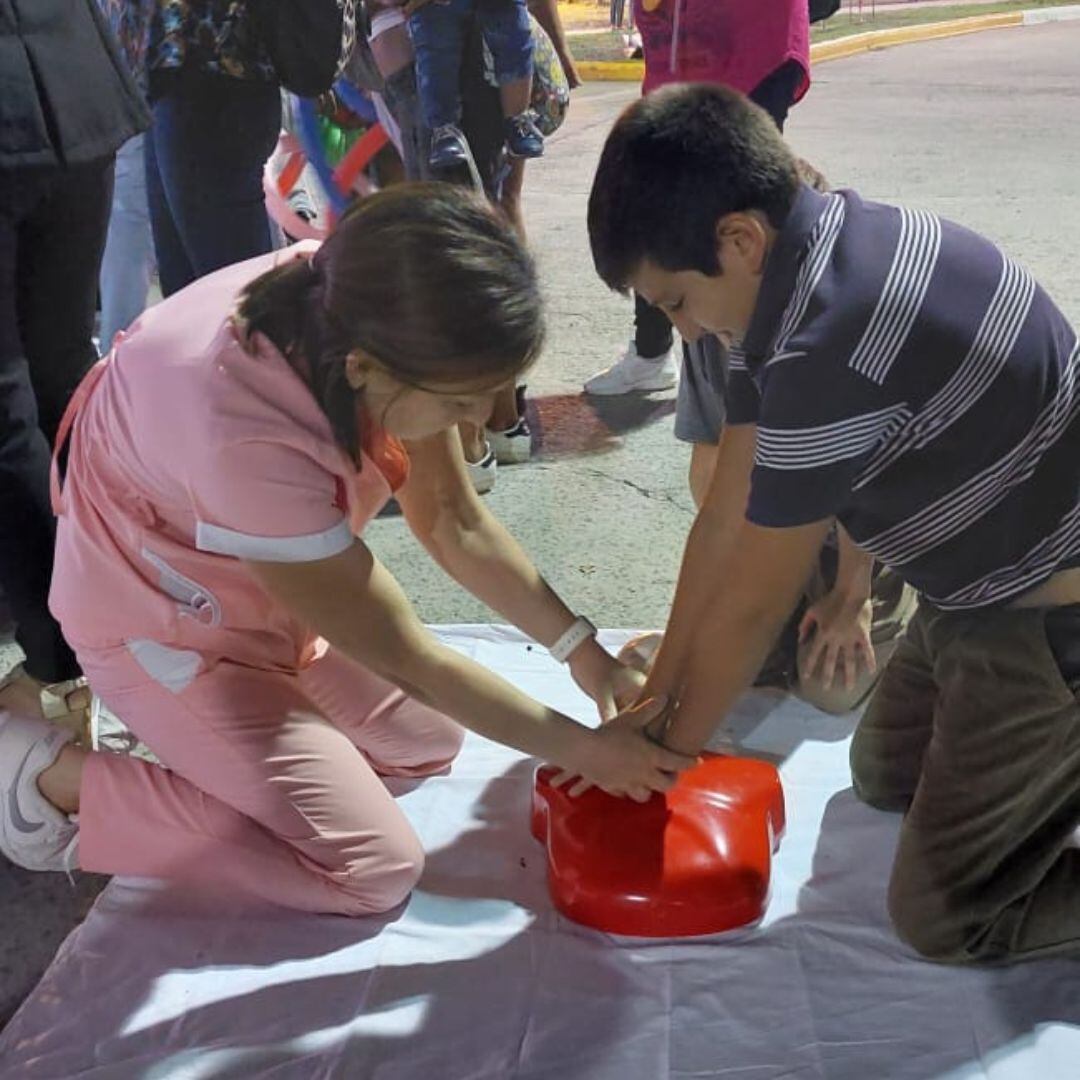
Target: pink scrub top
[
  {"x": 737, "y": 43},
  {"x": 190, "y": 451}
]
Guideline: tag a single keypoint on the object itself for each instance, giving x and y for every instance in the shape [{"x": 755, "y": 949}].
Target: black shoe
[
  {"x": 448, "y": 149},
  {"x": 523, "y": 138}
]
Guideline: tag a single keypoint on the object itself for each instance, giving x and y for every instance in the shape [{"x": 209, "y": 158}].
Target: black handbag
[
  {"x": 822, "y": 9},
  {"x": 305, "y": 39}
]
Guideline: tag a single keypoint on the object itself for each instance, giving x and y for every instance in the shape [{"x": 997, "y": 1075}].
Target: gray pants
[{"x": 975, "y": 732}]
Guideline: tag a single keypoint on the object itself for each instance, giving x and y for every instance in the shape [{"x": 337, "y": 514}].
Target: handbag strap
[{"x": 348, "y": 34}]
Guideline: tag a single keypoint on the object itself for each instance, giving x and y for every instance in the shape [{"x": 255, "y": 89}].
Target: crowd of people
[{"x": 880, "y": 405}]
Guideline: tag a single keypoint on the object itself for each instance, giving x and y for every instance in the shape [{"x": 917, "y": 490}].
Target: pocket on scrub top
[{"x": 193, "y": 601}]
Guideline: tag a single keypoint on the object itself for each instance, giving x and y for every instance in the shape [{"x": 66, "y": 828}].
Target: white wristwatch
[{"x": 577, "y": 635}]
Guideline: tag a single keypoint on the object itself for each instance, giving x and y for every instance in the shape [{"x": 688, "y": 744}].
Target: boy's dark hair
[
  {"x": 675, "y": 163},
  {"x": 427, "y": 279}
]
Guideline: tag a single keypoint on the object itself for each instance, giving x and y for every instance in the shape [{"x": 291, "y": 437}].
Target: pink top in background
[{"x": 733, "y": 42}]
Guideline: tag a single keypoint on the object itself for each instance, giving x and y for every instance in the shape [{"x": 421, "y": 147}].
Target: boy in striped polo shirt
[{"x": 898, "y": 374}]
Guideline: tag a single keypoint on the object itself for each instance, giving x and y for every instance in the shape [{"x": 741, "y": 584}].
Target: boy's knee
[
  {"x": 874, "y": 777},
  {"x": 922, "y": 921}
]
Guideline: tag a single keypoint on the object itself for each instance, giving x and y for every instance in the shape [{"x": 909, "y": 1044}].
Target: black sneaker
[
  {"x": 523, "y": 138},
  {"x": 448, "y": 149}
]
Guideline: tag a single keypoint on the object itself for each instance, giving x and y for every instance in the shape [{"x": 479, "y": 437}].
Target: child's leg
[
  {"x": 509, "y": 37},
  {"x": 506, "y": 410},
  {"x": 398, "y": 735},
  {"x": 515, "y": 96},
  {"x": 776, "y": 92},
  {"x": 510, "y": 201},
  {"x": 438, "y": 35},
  {"x": 984, "y": 870},
  {"x": 891, "y": 739},
  {"x": 259, "y": 792}
]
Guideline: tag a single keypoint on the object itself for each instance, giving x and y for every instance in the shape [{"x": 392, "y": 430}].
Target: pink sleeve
[{"x": 267, "y": 500}]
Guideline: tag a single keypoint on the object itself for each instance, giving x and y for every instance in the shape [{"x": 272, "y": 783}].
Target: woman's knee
[
  {"x": 426, "y": 746},
  {"x": 381, "y": 882},
  {"x": 446, "y": 746}
]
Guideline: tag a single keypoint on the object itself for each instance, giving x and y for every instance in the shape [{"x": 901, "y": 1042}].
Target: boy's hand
[
  {"x": 611, "y": 684},
  {"x": 622, "y": 760},
  {"x": 640, "y": 652},
  {"x": 840, "y": 630}
]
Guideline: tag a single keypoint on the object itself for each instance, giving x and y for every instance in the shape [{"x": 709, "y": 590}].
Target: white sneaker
[
  {"x": 633, "y": 373},
  {"x": 33, "y": 833},
  {"x": 512, "y": 446},
  {"x": 482, "y": 472}
]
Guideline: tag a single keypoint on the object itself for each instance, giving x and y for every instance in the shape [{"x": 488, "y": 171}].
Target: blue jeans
[
  {"x": 205, "y": 151},
  {"x": 128, "y": 261},
  {"x": 438, "y": 32}
]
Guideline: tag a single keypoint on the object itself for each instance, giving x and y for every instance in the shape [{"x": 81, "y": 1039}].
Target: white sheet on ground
[{"x": 479, "y": 979}]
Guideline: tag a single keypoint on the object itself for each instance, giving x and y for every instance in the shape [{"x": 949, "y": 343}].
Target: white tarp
[{"x": 479, "y": 979}]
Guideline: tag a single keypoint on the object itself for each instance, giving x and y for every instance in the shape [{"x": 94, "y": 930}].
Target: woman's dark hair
[
  {"x": 677, "y": 161},
  {"x": 426, "y": 279}
]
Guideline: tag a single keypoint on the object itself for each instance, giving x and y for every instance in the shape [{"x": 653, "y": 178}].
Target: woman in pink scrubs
[{"x": 211, "y": 574}]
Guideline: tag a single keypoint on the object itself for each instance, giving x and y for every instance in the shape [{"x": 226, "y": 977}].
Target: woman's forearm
[
  {"x": 546, "y": 13},
  {"x": 482, "y": 556},
  {"x": 485, "y": 703},
  {"x": 355, "y": 604},
  {"x": 854, "y": 571}
]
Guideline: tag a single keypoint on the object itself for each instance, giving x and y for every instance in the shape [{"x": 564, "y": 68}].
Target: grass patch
[
  {"x": 609, "y": 44},
  {"x": 843, "y": 25}
]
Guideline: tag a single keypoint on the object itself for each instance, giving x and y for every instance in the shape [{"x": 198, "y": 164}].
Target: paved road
[{"x": 982, "y": 129}]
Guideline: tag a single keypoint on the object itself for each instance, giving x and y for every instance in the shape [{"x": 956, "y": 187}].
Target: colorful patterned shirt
[
  {"x": 129, "y": 21},
  {"x": 212, "y": 35}
]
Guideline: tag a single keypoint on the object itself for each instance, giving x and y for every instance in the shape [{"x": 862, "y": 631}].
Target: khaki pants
[{"x": 975, "y": 733}]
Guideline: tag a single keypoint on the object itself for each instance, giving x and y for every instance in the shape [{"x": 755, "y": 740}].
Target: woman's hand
[
  {"x": 840, "y": 629},
  {"x": 569, "y": 67},
  {"x": 611, "y": 684},
  {"x": 622, "y": 760}
]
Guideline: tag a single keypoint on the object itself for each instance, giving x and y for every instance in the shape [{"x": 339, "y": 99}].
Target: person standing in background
[
  {"x": 506, "y": 438},
  {"x": 128, "y": 263},
  {"x": 759, "y": 47},
  {"x": 216, "y": 116},
  {"x": 68, "y": 103}
]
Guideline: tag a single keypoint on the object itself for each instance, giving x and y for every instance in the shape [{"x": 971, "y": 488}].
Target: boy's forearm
[
  {"x": 764, "y": 572},
  {"x": 700, "y": 581},
  {"x": 723, "y": 660},
  {"x": 702, "y": 574}
]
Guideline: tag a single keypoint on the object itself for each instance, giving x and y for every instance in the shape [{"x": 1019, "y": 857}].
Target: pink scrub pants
[{"x": 271, "y": 780}]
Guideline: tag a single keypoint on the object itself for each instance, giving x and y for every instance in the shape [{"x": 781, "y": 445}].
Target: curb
[{"x": 634, "y": 70}]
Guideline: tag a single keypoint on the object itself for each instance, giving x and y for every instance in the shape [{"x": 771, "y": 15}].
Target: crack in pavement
[{"x": 656, "y": 496}]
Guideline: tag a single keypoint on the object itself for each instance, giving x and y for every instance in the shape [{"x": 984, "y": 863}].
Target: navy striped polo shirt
[{"x": 913, "y": 381}]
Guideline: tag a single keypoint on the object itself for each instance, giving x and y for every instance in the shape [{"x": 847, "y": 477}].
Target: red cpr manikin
[{"x": 693, "y": 861}]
